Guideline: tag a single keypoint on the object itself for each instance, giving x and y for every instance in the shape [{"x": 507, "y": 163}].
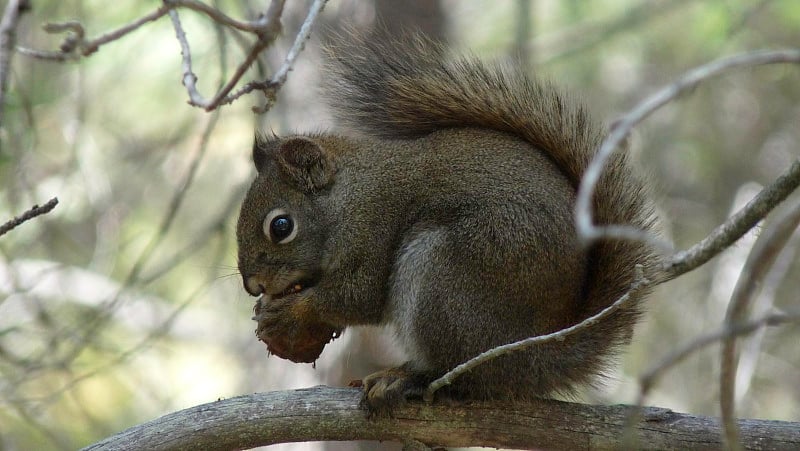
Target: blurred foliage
[{"x": 112, "y": 312}]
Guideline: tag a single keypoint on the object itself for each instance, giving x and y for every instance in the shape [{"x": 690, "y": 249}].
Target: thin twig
[
  {"x": 649, "y": 378},
  {"x": 33, "y": 212},
  {"x": 270, "y": 27},
  {"x": 90, "y": 47},
  {"x": 267, "y": 28},
  {"x": 189, "y": 77},
  {"x": 75, "y": 46},
  {"x": 264, "y": 25},
  {"x": 270, "y": 87},
  {"x": 251, "y": 57},
  {"x": 736, "y": 226},
  {"x": 299, "y": 42},
  {"x": 587, "y": 231},
  {"x": 758, "y": 264},
  {"x": 639, "y": 283}
]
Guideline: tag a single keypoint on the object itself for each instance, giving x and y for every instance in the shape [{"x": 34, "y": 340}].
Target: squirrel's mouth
[{"x": 294, "y": 287}]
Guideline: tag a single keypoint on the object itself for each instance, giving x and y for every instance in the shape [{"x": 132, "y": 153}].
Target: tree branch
[
  {"x": 736, "y": 226},
  {"x": 267, "y": 33},
  {"x": 760, "y": 261},
  {"x": 326, "y": 413},
  {"x": 266, "y": 29},
  {"x": 75, "y": 45},
  {"x": 33, "y": 212},
  {"x": 589, "y": 232},
  {"x": 270, "y": 87}
]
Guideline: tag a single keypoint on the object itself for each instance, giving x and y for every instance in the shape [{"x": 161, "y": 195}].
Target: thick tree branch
[{"x": 325, "y": 413}]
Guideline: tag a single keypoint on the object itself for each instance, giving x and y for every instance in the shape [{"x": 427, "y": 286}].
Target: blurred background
[{"x": 124, "y": 303}]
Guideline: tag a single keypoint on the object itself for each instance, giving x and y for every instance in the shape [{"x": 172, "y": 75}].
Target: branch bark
[
  {"x": 326, "y": 413},
  {"x": 32, "y": 212}
]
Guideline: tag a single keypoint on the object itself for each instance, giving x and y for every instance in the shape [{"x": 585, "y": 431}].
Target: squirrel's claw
[{"x": 387, "y": 390}]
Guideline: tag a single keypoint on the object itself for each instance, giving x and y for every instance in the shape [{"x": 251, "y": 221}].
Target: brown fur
[{"x": 446, "y": 210}]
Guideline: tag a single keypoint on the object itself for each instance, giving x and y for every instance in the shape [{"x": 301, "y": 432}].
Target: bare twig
[
  {"x": 736, "y": 226},
  {"x": 639, "y": 283},
  {"x": 75, "y": 46},
  {"x": 270, "y": 87},
  {"x": 649, "y": 378},
  {"x": 189, "y": 77},
  {"x": 587, "y": 231},
  {"x": 33, "y": 212},
  {"x": 265, "y": 25},
  {"x": 266, "y": 28},
  {"x": 757, "y": 266},
  {"x": 268, "y": 31},
  {"x": 251, "y": 57}
]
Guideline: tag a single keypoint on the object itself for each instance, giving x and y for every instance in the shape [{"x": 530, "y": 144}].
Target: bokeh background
[{"x": 124, "y": 303}]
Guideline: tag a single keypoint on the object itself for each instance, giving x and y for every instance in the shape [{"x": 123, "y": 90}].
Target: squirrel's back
[{"x": 408, "y": 89}]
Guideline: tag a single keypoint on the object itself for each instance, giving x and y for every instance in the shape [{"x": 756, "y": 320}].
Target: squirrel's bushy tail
[{"x": 407, "y": 89}]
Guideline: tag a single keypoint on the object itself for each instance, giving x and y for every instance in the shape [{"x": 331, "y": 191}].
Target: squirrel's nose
[{"x": 252, "y": 285}]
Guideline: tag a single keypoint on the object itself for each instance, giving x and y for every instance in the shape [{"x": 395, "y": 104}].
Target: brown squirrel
[{"x": 445, "y": 210}]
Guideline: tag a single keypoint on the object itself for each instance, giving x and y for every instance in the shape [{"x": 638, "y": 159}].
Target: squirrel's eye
[{"x": 279, "y": 226}]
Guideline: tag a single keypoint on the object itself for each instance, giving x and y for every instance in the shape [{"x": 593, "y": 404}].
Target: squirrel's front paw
[
  {"x": 386, "y": 390},
  {"x": 290, "y": 329}
]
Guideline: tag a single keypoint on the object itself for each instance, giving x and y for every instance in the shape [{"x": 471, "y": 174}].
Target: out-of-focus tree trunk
[{"x": 423, "y": 16}]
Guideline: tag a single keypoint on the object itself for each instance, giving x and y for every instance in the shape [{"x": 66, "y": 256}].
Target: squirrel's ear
[
  {"x": 304, "y": 163},
  {"x": 262, "y": 148}
]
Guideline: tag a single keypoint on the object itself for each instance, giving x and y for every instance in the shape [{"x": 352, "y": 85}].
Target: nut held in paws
[{"x": 304, "y": 345}]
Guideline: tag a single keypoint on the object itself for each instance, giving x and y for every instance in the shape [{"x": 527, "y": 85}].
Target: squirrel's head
[{"x": 282, "y": 223}]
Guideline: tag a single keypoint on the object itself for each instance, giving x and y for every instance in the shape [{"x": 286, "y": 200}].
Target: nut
[{"x": 303, "y": 345}]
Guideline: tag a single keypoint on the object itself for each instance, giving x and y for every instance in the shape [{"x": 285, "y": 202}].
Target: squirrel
[{"x": 444, "y": 208}]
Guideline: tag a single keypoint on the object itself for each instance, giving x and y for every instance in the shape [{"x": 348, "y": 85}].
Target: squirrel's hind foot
[{"x": 386, "y": 390}]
